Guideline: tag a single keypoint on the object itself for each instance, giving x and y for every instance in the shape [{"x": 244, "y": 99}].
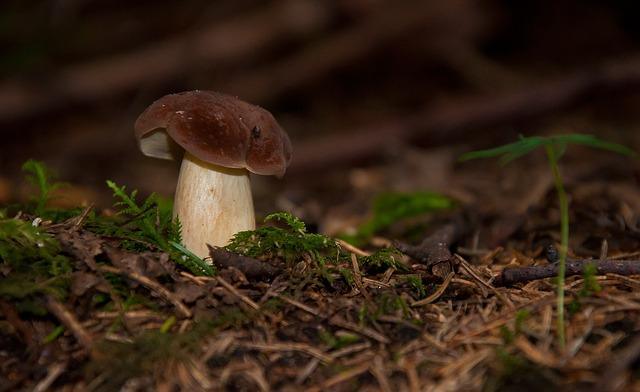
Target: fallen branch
[
  {"x": 511, "y": 276},
  {"x": 448, "y": 122},
  {"x": 250, "y": 267},
  {"x": 220, "y": 42},
  {"x": 153, "y": 286},
  {"x": 70, "y": 322},
  {"x": 434, "y": 251}
]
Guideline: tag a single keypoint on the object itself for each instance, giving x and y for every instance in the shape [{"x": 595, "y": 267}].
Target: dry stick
[
  {"x": 298, "y": 304},
  {"x": 341, "y": 377},
  {"x": 70, "y": 321},
  {"x": 153, "y": 286},
  {"x": 448, "y": 122},
  {"x": 337, "y": 321},
  {"x": 53, "y": 373},
  {"x": 618, "y": 365},
  {"x": 306, "y": 372},
  {"x": 353, "y": 249},
  {"x": 437, "y": 293},
  {"x": 378, "y": 371},
  {"x": 238, "y": 294},
  {"x": 301, "y": 347},
  {"x": 223, "y": 42},
  {"x": 469, "y": 269},
  {"x": 510, "y": 276}
]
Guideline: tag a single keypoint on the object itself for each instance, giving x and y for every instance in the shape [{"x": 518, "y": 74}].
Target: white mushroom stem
[{"x": 213, "y": 203}]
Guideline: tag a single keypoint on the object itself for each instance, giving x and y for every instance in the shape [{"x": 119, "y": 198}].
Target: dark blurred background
[{"x": 375, "y": 94}]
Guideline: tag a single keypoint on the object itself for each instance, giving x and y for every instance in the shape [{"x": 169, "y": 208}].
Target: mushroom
[{"x": 223, "y": 139}]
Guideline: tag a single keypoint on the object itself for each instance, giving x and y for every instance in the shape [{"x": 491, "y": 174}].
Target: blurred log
[
  {"x": 226, "y": 42},
  {"x": 438, "y": 22},
  {"x": 448, "y": 122}
]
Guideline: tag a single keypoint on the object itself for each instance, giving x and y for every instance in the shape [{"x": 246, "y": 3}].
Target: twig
[
  {"x": 70, "y": 321},
  {"x": 53, "y": 373},
  {"x": 339, "y": 322},
  {"x": 341, "y": 377},
  {"x": 351, "y": 248},
  {"x": 153, "y": 286},
  {"x": 298, "y": 304},
  {"x": 470, "y": 270},
  {"x": 437, "y": 293},
  {"x": 250, "y": 267},
  {"x": 379, "y": 372},
  {"x": 306, "y": 372},
  {"x": 238, "y": 294},
  {"x": 511, "y": 276},
  {"x": 301, "y": 347}
]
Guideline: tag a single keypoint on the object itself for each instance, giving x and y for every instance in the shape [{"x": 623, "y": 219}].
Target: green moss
[
  {"x": 415, "y": 282},
  {"x": 290, "y": 243},
  {"x": 382, "y": 260},
  {"x": 34, "y": 260}
]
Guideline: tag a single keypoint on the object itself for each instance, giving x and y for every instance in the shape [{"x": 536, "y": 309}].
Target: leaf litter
[{"x": 97, "y": 302}]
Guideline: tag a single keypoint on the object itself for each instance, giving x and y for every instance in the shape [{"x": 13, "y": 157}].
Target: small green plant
[
  {"x": 382, "y": 260},
  {"x": 590, "y": 286},
  {"x": 148, "y": 225},
  {"x": 290, "y": 243},
  {"x": 509, "y": 335},
  {"x": 39, "y": 175},
  {"x": 415, "y": 282},
  {"x": 35, "y": 262},
  {"x": 389, "y": 208},
  {"x": 338, "y": 340},
  {"x": 554, "y": 147}
]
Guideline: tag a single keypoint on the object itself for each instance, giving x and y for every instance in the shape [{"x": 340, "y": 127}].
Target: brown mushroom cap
[{"x": 215, "y": 128}]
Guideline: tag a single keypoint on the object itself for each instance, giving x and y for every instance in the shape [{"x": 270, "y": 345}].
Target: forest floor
[{"x": 406, "y": 293}]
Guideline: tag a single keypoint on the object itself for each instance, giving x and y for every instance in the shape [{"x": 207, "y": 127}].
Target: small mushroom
[{"x": 223, "y": 139}]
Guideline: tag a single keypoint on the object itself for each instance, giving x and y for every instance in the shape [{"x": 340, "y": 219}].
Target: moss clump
[
  {"x": 289, "y": 243},
  {"x": 33, "y": 260}
]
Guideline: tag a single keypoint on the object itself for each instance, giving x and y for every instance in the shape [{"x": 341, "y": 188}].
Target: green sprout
[
  {"x": 555, "y": 147},
  {"x": 391, "y": 207},
  {"x": 39, "y": 175}
]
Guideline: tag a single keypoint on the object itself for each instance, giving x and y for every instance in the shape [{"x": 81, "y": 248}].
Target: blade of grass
[{"x": 564, "y": 239}]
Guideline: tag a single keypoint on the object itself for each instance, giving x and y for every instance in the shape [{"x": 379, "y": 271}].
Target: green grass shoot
[
  {"x": 554, "y": 146},
  {"x": 39, "y": 175},
  {"x": 392, "y": 207}
]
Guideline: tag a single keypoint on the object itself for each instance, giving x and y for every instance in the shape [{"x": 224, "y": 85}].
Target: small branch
[
  {"x": 300, "y": 347},
  {"x": 437, "y": 293},
  {"x": 250, "y": 267},
  {"x": 511, "y": 276},
  {"x": 70, "y": 321},
  {"x": 236, "y": 293},
  {"x": 153, "y": 286},
  {"x": 434, "y": 249}
]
